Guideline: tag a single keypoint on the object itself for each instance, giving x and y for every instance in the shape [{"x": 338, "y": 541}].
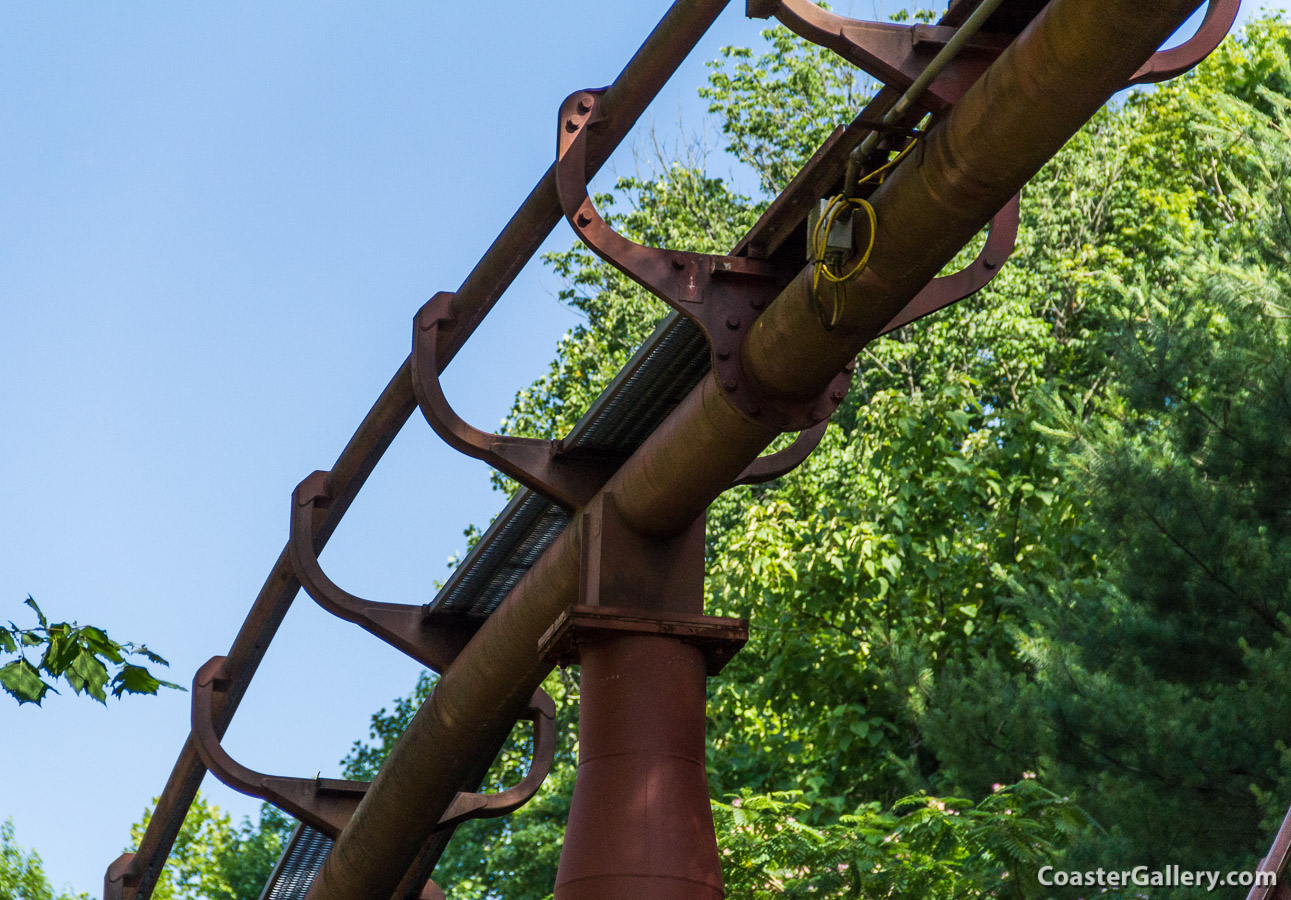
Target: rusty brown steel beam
[
  {"x": 641, "y": 79},
  {"x": 1066, "y": 65}
]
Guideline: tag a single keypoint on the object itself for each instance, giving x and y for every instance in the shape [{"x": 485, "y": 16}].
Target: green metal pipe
[{"x": 1068, "y": 63}]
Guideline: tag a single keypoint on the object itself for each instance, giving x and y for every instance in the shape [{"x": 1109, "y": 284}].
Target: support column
[{"x": 640, "y": 824}]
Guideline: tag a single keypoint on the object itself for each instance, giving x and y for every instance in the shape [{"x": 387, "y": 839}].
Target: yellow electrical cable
[
  {"x": 820, "y": 234},
  {"x": 889, "y": 164}
]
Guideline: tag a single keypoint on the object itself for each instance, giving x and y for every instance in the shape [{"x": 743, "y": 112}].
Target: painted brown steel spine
[
  {"x": 1067, "y": 64},
  {"x": 671, "y": 41}
]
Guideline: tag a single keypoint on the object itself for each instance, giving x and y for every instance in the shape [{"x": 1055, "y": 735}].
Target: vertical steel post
[{"x": 640, "y": 825}]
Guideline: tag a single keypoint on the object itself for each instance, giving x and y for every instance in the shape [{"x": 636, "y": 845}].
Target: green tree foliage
[
  {"x": 22, "y": 877},
  {"x": 213, "y": 859},
  {"x": 1047, "y": 531},
  {"x": 79, "y": 655},
  {"x": 948, "y": 849},
  {"x": 1156, "y": 690}
]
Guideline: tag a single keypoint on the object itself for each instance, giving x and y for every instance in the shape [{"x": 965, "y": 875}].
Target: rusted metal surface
[
  {"x": 621, "y": 567},
  {"x": 326, "y": 804},
  {"x": 1010, "y": 18},
  {"x": 718, "y": 639},
  {"x": 986, "y": 147},
  {"x": 669, "y": 363},
  {"x": 681, "y": 28},
  {"x": 404, "y": 626},
  {"x": 1215, "y": 25},
  {"x": 705, "y": 444},
  {"x": 641, "y": 79},
  {"x": 640, "y": 825},
  {"x": 949, "y": 58},
  {"x": 894, "y": 54},
  {"x": 722, "y": 295},
  {"x": 472, "y": 805},
  {"x": 119, "y": 877},
  {"x": 1071, "y": 59},
  {"x": 774, "y": 465},
  {"x": 942, "y": 292},
  {"x": 566, "y": 476},
  {"x": 1276, "y": 863}
]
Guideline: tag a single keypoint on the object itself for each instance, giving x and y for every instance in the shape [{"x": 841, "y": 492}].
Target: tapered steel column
[
  {"x": 1062, "y": 69},
  {"x": 640, "y": 825}
]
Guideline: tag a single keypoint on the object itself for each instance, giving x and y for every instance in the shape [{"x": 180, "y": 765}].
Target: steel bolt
[
  {"x": 758, "y": 303},
  {"x": 571, "y": 125},
  {"x": 584, "y": 219},
  {"x": 730, "y": 383},
  {"x": 678, "y": 263},
  {"x": 584, "y": 104},
  {"x": 733, "y": 322},
  {"x": 837, "y": 395},
  {"x": 724, "y": 353}
]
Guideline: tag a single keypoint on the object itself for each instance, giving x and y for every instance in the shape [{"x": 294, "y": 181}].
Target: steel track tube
[
  {"x": 640, "y": 81},
  {"x": 907, "y": 100},
  {"x": 1068, "y": 63},
  {"x": 1071, "y": 59}
]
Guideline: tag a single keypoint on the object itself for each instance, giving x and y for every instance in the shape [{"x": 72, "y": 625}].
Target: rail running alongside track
[{"x": 673, "y": 433}]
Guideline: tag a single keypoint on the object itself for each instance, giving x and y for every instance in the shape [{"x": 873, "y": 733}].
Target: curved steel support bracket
[
  {"x": 326, "y": 804},
  {"x": 542, "y": 712},
  {"x": 773, "y": 465},
  {"x": 722, "y": 295},
  {"x": 568, "y": 477},
  {"x": 404, "y": 626},
  {"x": 1215, "y": 25},
  {"x": 894, "y": 54},
  {"x": 942, "y": 292}
]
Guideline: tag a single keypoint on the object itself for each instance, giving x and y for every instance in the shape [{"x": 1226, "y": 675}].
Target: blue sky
[{"x": 216, "y": 223}]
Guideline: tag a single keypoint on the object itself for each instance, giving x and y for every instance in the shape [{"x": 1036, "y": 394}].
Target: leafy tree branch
[{"x": 83, "y": 656}]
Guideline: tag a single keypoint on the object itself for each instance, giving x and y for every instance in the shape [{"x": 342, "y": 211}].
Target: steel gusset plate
[
  {"x": 326, "y": 804},
  {"x": 403, "y": 626},
  {"x": 722, "y": 295}
]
